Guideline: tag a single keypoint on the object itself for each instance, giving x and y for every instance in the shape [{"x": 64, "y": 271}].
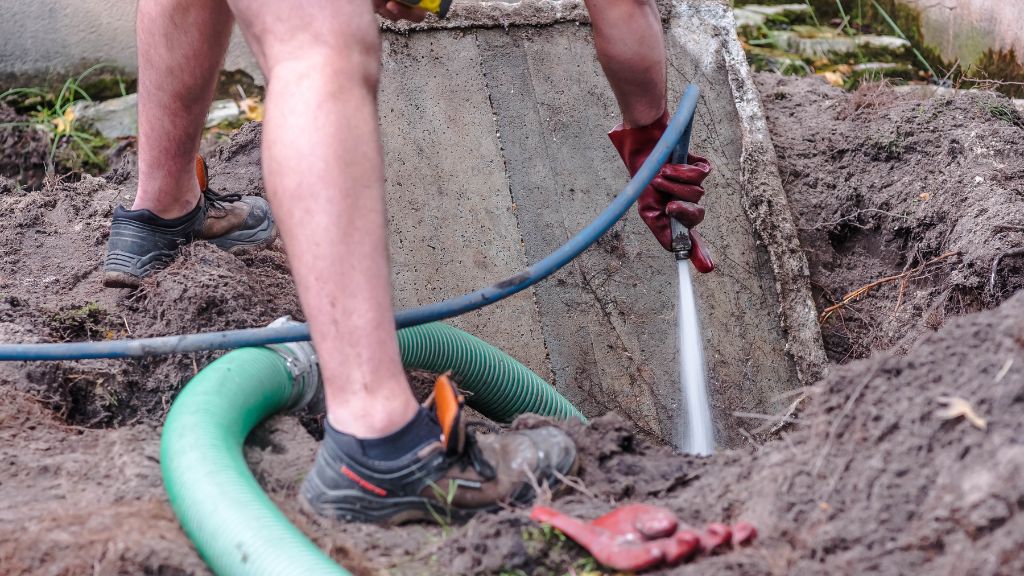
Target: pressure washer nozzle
[{"x": 680, "y": 240}]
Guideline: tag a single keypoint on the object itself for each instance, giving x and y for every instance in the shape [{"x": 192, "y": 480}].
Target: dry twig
[
  {"x": 863, "y": 290},
  {"x": 575, "y": 483}
]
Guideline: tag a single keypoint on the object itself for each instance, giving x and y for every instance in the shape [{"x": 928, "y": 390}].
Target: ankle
[
  {"x": 372, "y": 419},
  {"x": 168, "y": 202},
  {"x": 420, "y": 430}
]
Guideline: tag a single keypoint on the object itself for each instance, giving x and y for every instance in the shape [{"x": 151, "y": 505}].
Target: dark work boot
[
  {"x": 142, "y": 242},
  {"x": 453, "y": 473}
]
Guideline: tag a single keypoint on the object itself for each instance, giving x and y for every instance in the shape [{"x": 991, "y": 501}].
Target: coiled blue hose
[{"x": 228, "y": 339}]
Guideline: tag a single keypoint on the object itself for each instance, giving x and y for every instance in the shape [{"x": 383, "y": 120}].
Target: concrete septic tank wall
[
  {"x": 496, "y": 153},
  {"x": 495, "y": 126}
]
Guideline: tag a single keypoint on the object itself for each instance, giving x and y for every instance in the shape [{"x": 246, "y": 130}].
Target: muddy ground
[{"x": 872, "y": 477}]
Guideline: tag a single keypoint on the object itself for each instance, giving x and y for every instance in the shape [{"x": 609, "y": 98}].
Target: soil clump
[{"x": 24, "y": 150}]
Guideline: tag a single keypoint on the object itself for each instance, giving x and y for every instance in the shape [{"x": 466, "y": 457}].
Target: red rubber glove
[
  {"x": 674, "y": 192},
  {"x": 635, "y": 537}
]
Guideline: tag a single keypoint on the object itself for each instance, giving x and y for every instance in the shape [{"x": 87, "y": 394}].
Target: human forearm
[{"x": 630, "y": 45}]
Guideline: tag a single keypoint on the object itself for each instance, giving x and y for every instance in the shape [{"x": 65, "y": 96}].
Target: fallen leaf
[
  {"x": 957, "y": 407},
  {"x": 63, "y": 123},
  {"x": 252, "y": 109},
  {"x": 833, "y": 78}
]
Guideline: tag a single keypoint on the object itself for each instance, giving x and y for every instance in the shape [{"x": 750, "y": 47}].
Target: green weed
[
  {"x": 446, "y": 497},
  {"x": 998, "y": 70},
  {"x": 899, "y": 32},
  {"x": 54, "y": 115},
  {"x": 814, "y": 14},
  {"x": 544, "y": 534},
  {"x": 888, "y": 149},
  {"x": 87, "y": 322},
  {"x": 552, "y": 542},
  {"x": 1007, "y": 113}
]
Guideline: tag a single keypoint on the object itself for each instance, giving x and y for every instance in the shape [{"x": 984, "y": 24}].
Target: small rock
[
  {"x": 818, "y": 42},
  {"x": 114, "y": 118},
  {"x": 118, "y": 117},
  {"x": 223, "y": 111},
  {"x": 756, "y": 14}
]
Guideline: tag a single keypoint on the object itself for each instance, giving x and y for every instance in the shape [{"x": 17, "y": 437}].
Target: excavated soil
[
  {"x": 927, "y": 193},
  {"x": 872, "y": 478}
]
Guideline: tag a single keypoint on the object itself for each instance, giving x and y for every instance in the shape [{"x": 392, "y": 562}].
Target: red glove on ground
[
  {"x": 674, "y": 192},
  {"x": 641, "y": 536}
]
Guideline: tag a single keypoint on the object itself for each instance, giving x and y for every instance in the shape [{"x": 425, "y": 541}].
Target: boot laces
[
  {"x": 472, "y": 455},
  {"x": 217, "y": 200}
]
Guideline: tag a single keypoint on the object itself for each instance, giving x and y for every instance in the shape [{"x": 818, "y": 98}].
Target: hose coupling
[
  {"x": 302, "y": 364},
  {"x": 680, "y": 240}
]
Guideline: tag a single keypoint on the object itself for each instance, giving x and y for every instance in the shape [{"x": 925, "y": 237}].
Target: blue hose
[{"x": 228, "y": 339}]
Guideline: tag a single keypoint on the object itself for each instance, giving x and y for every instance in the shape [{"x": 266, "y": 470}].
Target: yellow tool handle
[{"x": 439, "y": 7}]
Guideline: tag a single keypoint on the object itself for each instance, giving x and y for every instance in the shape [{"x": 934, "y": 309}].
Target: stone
[
  {"x": 118, "y": 117},
  {"x": 755, "y": 15}
]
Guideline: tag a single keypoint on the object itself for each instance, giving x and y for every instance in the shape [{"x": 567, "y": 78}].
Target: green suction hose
[
  {"x": 233, "y": 524},
  {"x": 500, "y": 387}
]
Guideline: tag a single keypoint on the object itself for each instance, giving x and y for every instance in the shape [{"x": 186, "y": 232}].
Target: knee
[{"x": 350, "y": 53}]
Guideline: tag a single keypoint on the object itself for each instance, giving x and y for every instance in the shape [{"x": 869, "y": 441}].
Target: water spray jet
[{"x": 695, "y": 430}]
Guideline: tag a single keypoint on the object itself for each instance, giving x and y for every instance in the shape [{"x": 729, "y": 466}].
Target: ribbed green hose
[
  {"x": 233, "y": 524},
  {"x": 500, "y": 387}
]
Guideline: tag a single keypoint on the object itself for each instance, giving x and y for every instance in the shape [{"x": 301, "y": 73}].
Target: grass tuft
[{"x": 54, "y": 116}]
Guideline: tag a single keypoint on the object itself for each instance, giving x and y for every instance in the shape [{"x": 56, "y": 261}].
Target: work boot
[
  {"x": 142, "y": 242},
  {"x": 451, "y": 473}
]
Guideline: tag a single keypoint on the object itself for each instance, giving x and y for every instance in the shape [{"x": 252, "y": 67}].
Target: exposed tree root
[{"x": 863, "y": 290}]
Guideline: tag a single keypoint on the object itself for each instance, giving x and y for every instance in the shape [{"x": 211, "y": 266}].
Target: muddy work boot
[
  {"x": 142, "y": 242},
  {"x": 448, "y": 474}
]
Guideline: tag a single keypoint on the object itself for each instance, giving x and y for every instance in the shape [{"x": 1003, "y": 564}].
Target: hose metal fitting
[
  {"x": 681, "y": 245},
  {"x": 302, "y": 363}
]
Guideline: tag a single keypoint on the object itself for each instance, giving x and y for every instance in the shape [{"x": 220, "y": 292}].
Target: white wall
[
  {"x": 42, "y": 36},
  {"x": 964, "y": 29}
]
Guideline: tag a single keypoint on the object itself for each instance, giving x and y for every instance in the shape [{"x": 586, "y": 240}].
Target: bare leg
[
  {"x": 322, "y": 161},
  {"x": 631, "y": 48},
  {"x": 181, "y": 47}
]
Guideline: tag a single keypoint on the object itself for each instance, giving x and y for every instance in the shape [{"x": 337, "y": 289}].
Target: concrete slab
[
  {"x": 608, "y": 319},
  {"x": 453, "y": 226},
  {"x": 554, "y": 107}
]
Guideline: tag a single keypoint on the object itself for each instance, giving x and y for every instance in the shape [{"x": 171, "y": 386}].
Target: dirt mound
[
  {"x": 79, "y": 501},
  {"x": 50, "y": 283},
  {"x": 926, "y": 193}
]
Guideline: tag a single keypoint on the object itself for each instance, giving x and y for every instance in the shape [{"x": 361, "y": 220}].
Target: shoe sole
[
  {"x": 349, "y": 505},
  {"x": 357, "y": 506},
  {"x": 263, "y": 236}
]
